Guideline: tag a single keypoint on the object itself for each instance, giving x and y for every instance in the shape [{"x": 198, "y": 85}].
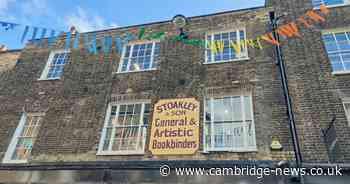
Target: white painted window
[
  {"x": 347, "y": 109},
  {"x": 229, "y": 124},
  {"x": 330, "y": 3},
  {"x": 338, "y": 48},
  {"x": 125, "y": 129},
  {"x": 140, "y": 57},
  {"x": 24, "y": 138},
  {"x": 55, "y": 65},
  {"x": 229, "y": 53}
]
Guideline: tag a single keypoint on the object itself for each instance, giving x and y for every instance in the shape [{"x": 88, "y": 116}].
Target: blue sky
[{"x": 88, "y": 15}]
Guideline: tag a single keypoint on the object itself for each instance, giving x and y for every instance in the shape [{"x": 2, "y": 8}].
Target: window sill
[
  {"x": 229, "y": 61},
  {"x": 15, "y": 161},
  {"x": 341, "y": 72},
  {"x": 52, "y": 79},
  {"x": 120, "y": 153},
  {"x": 230, "y": 151},
  {"x": 154, "y": 69}
]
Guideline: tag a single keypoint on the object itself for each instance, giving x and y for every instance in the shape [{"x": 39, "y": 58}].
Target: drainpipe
[{"x": 282, "y": 69}]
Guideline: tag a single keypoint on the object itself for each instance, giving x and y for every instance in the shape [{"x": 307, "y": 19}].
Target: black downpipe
[{"x": 282, "y": 69}]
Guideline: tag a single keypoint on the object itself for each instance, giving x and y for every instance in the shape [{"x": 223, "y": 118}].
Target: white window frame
[
  {"x": 212, "y": 33},
  {"x": 246, "y": 148},
  {"x": 333, "y": 32},
  {"x": 347, "y": 114},
  {"x": 346, "y": 2},
  {"x": 14, "y": 140},
  {"x": 132, "y": 44},
  {"x": 48, "y": 63},
  {"x": 104, "y": 130}
]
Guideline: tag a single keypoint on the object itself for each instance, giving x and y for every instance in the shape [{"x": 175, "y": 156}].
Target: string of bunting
[
  {"x": 35, "y": 31},
  {"x": 288, "y": 30}
]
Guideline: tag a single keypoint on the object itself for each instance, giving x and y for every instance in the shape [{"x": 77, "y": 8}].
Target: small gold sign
[
  {"x": 175, "y": 127},
  {"x": 276, "y": 145}
]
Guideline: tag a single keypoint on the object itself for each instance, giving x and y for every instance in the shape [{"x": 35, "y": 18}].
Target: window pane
[
  {"x": 342, "y": 41},
  {"x": 247, "y": 108},
  {"x": 128, "y": 127},
  {"x": 338, "y": 47},
  {"x": 208, "y": 110},
  {"x": 27, "y": 137},
  {"x": 107, "y": 138},
  {"x": 141, "y": 57},
  {"x": 146, "y": 114},
  {"x": 207, "y": 135},
  {"x": 228, "y": 135},
  {"x": 226, "y": 53},
  {"x": 221, "y": 110},
  {"x": 157, "y": 49},
  {"x": 57, "y": 65},
  {"x": 346, "y": 56},
  {"x": 347, "y": 110},
  {"x": 317, "y": 3},
  {"x": 331, "y": 47},
  {"x": 333, "y": 2},
  {"x": 237, "y": 109},
  {"x": 127, "y": 51},
  {"x": 229, "y": 131},
  {"x": 208, "y": 56},
  {"x": 336, "y": 62},
  {"x": 147, "y": 108},
  {"x": 125, "y": 139}
]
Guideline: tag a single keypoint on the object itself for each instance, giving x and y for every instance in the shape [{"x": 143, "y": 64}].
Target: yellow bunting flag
[
  {"x": 289, "y": 30},
  {"x": 269, "y": 38},
  {"x": 212, "y": 47},
  {"x": 236, "y": 46},
  {"x": 220, "y": 46},
  {"x": 314, "y": 16},
  {"x": 259, "y": 43},
  {"x": 253, "y": 43}
]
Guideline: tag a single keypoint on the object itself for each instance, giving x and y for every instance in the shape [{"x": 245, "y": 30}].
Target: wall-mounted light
[{"x": 180, "y": 22}]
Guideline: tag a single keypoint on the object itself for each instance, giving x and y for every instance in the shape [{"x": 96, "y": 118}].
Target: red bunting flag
[
  {"x": 269, "y": 38},
  {"x": 289, "y": 30},
  {"x": 314, "y": 16}
]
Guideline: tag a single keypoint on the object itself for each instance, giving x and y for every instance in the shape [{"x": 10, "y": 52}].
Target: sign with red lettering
[{"x": 175, "y": 127}]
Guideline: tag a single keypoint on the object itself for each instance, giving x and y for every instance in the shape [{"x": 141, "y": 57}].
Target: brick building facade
[{"x": 57, "y": 104}]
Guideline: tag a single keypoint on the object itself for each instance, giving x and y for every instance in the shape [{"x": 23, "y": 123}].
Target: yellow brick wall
[{"x": 8, "y": 60}]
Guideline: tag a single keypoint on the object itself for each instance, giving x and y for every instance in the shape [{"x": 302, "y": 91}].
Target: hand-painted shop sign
[{"x": 175, "y": 127}]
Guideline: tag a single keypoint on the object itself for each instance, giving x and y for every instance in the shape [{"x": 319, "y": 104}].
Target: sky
[{"x": 91, "y": 15}]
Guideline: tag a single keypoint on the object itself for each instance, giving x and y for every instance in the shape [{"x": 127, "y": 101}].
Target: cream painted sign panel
[{"x": 175, "y": 127}]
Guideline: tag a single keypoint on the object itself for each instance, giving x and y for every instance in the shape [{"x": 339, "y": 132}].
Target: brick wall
[
  {"x": 75, "y": 106},
  {"x": 8, "y": 60},
  {"x": 316, "y": 93}
]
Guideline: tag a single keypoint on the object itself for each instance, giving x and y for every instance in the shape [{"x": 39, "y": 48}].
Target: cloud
[
  {"x": 4, "y": 6},
  {"x": 35, "y": 8},
  {"x": 83, "y": 21}
]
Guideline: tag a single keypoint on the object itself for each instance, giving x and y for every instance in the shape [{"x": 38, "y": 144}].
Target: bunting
[
  {"x": 8, "y": 25},
  {"x": 35, "y": 31},
  {"x": 68, "y": 38},
  {"x": 76, "y": 40},
  {"x": 118, "y": 44},
  {"x": 26, "y": 29},
  {"x": 289, "y": 30},
  {"x": 107, "y": 44},
  {"x": 90, "y": 47}
]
